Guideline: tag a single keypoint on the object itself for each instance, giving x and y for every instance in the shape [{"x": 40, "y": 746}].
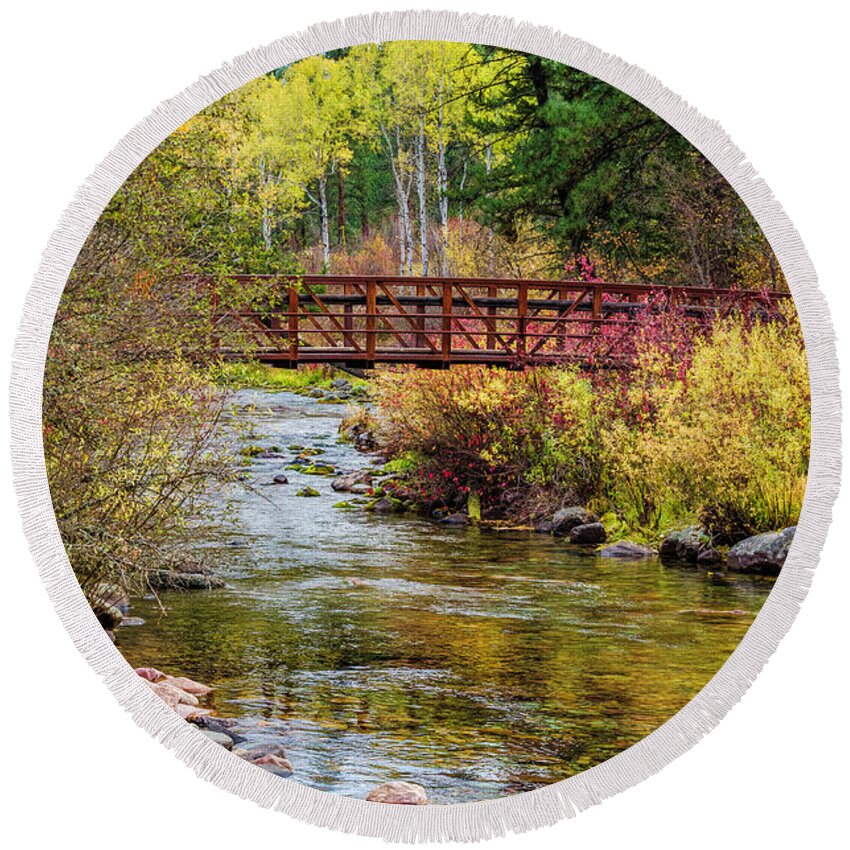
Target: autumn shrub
[
  {"x": 709, "y": 426},
  {"x": 507, "y": 436},
  {"x": 129, "y": 451},
  {"x": 733, "y": 435}
]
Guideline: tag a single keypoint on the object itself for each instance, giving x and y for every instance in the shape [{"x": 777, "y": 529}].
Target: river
[{"x": 475, "y": 662}]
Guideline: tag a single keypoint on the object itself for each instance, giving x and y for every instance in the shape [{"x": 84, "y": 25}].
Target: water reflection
[{"x": 475, "y": 662}]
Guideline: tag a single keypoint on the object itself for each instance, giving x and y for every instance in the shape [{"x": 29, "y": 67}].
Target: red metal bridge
[{"x": 360, "y": 320}]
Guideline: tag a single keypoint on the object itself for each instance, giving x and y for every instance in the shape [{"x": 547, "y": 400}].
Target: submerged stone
[
  {"x": 627, "y": 551},
  {"x": 218, "y": 738},
  {"x": 455, "y": 519}
]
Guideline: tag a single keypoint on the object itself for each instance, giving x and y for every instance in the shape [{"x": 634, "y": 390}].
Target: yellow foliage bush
[{"x": 720, "y": 437}]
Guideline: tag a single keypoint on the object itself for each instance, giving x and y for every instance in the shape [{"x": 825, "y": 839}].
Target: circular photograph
[{"x": 426, "y": 422}]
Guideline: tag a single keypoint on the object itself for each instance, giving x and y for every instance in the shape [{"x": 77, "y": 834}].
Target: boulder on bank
[
  {"x": 709, "y": 556},
  {"x": 190, "y": 686},
  {"x": 591, "y": 532},
  {"x": 149, "y": 673},
  {"x": 109, "y": 616},
  {"x": 108, "y": 595},
  {"x": 191, "y": 712},
  {"x": 382, "y": 506},
  {"x": 566, "y": 519},
  {"x": 276, "y": 765},
  {"x": 627, "y": 551},
  {"x": 346, "y": 483},
  {"x": 400, "y": 793},
  {"x": 544, "y": 526},
  {"x": 172, "y": 696},
  {"x": 764, "y": 553},
  {"x": 686, "y": 544}
]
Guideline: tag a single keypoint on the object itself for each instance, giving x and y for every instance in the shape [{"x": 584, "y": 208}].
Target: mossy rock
[
  {"x": 317, "y": 469},
  {"x": 310, "y": 451},
  {"x": 251, "y": 451},
  {"x": 308, "y": 492},
  {"x": 346, "y": 506},
  {"x": 296, "y": 447}
]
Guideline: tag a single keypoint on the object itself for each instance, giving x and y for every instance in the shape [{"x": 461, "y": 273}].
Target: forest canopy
[{"x": 440, "y": 158}]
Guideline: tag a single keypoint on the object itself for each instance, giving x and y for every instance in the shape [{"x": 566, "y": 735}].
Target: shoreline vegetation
[{"x": 698, "y": 450}]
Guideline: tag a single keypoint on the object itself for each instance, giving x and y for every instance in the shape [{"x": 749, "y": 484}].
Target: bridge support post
[
  {"x": 348, "y": 318},
  {"x": 292, "y": 325},
  {"x": 371, "y": 319},
  {"x": 446, "y": 336},
  {"x": 522, "y": 318},
  {"x": 419, "y": 339},
  {"x": 492, "y": 292},
  {"x": 597, "y": 309}
]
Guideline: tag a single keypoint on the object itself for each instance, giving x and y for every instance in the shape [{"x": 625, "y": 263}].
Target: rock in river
[
  {"x": 346, "y": 483},
  {"x": 280, "y": 479},
  {"x": 764, "y": 553},
  {"x": 591, "y": 532},
  {"x": 627, "y": 551},
  {"x": 176, "y": 580},
  {"x": 308, "y": 492},
  {"x": 566, "y": 519},
  {"x": 455, "y": 519},
  {"x": 218, "y": 738},
  {"x": 276, "y": 765},
  {"x": 686, "y": 544},
  {"x": 400, "y": 793},
  {"x": 264, "y": 750}
]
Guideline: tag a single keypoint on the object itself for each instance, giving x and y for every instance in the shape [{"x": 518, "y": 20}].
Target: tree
[{"x": 319, "y": 112}]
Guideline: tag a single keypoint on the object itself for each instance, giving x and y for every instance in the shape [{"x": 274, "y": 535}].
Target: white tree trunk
[
  {"x": 266, "y": 225},
  {"x": 402, "y": 185},
  {"x": 323, "y": 217},
  {"x": 443, "y": 191},
  {"x": 460, "y": 210},
  {"x": 420, "y": 185},
  {"x": 488, "y": 165},
  {"x": 442, "y": 188}
]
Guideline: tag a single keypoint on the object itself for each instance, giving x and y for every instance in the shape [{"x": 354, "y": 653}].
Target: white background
[{"x": 76, "y": 77}]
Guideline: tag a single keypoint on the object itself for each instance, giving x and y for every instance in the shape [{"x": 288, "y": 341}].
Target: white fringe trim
[{"x": 466, "y": 821}]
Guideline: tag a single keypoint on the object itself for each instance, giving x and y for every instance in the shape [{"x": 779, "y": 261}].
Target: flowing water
[{"x": 476, "y": 662}]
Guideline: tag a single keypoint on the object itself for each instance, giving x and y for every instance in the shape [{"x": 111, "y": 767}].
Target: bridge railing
[{"x": 436, "y": 321}]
